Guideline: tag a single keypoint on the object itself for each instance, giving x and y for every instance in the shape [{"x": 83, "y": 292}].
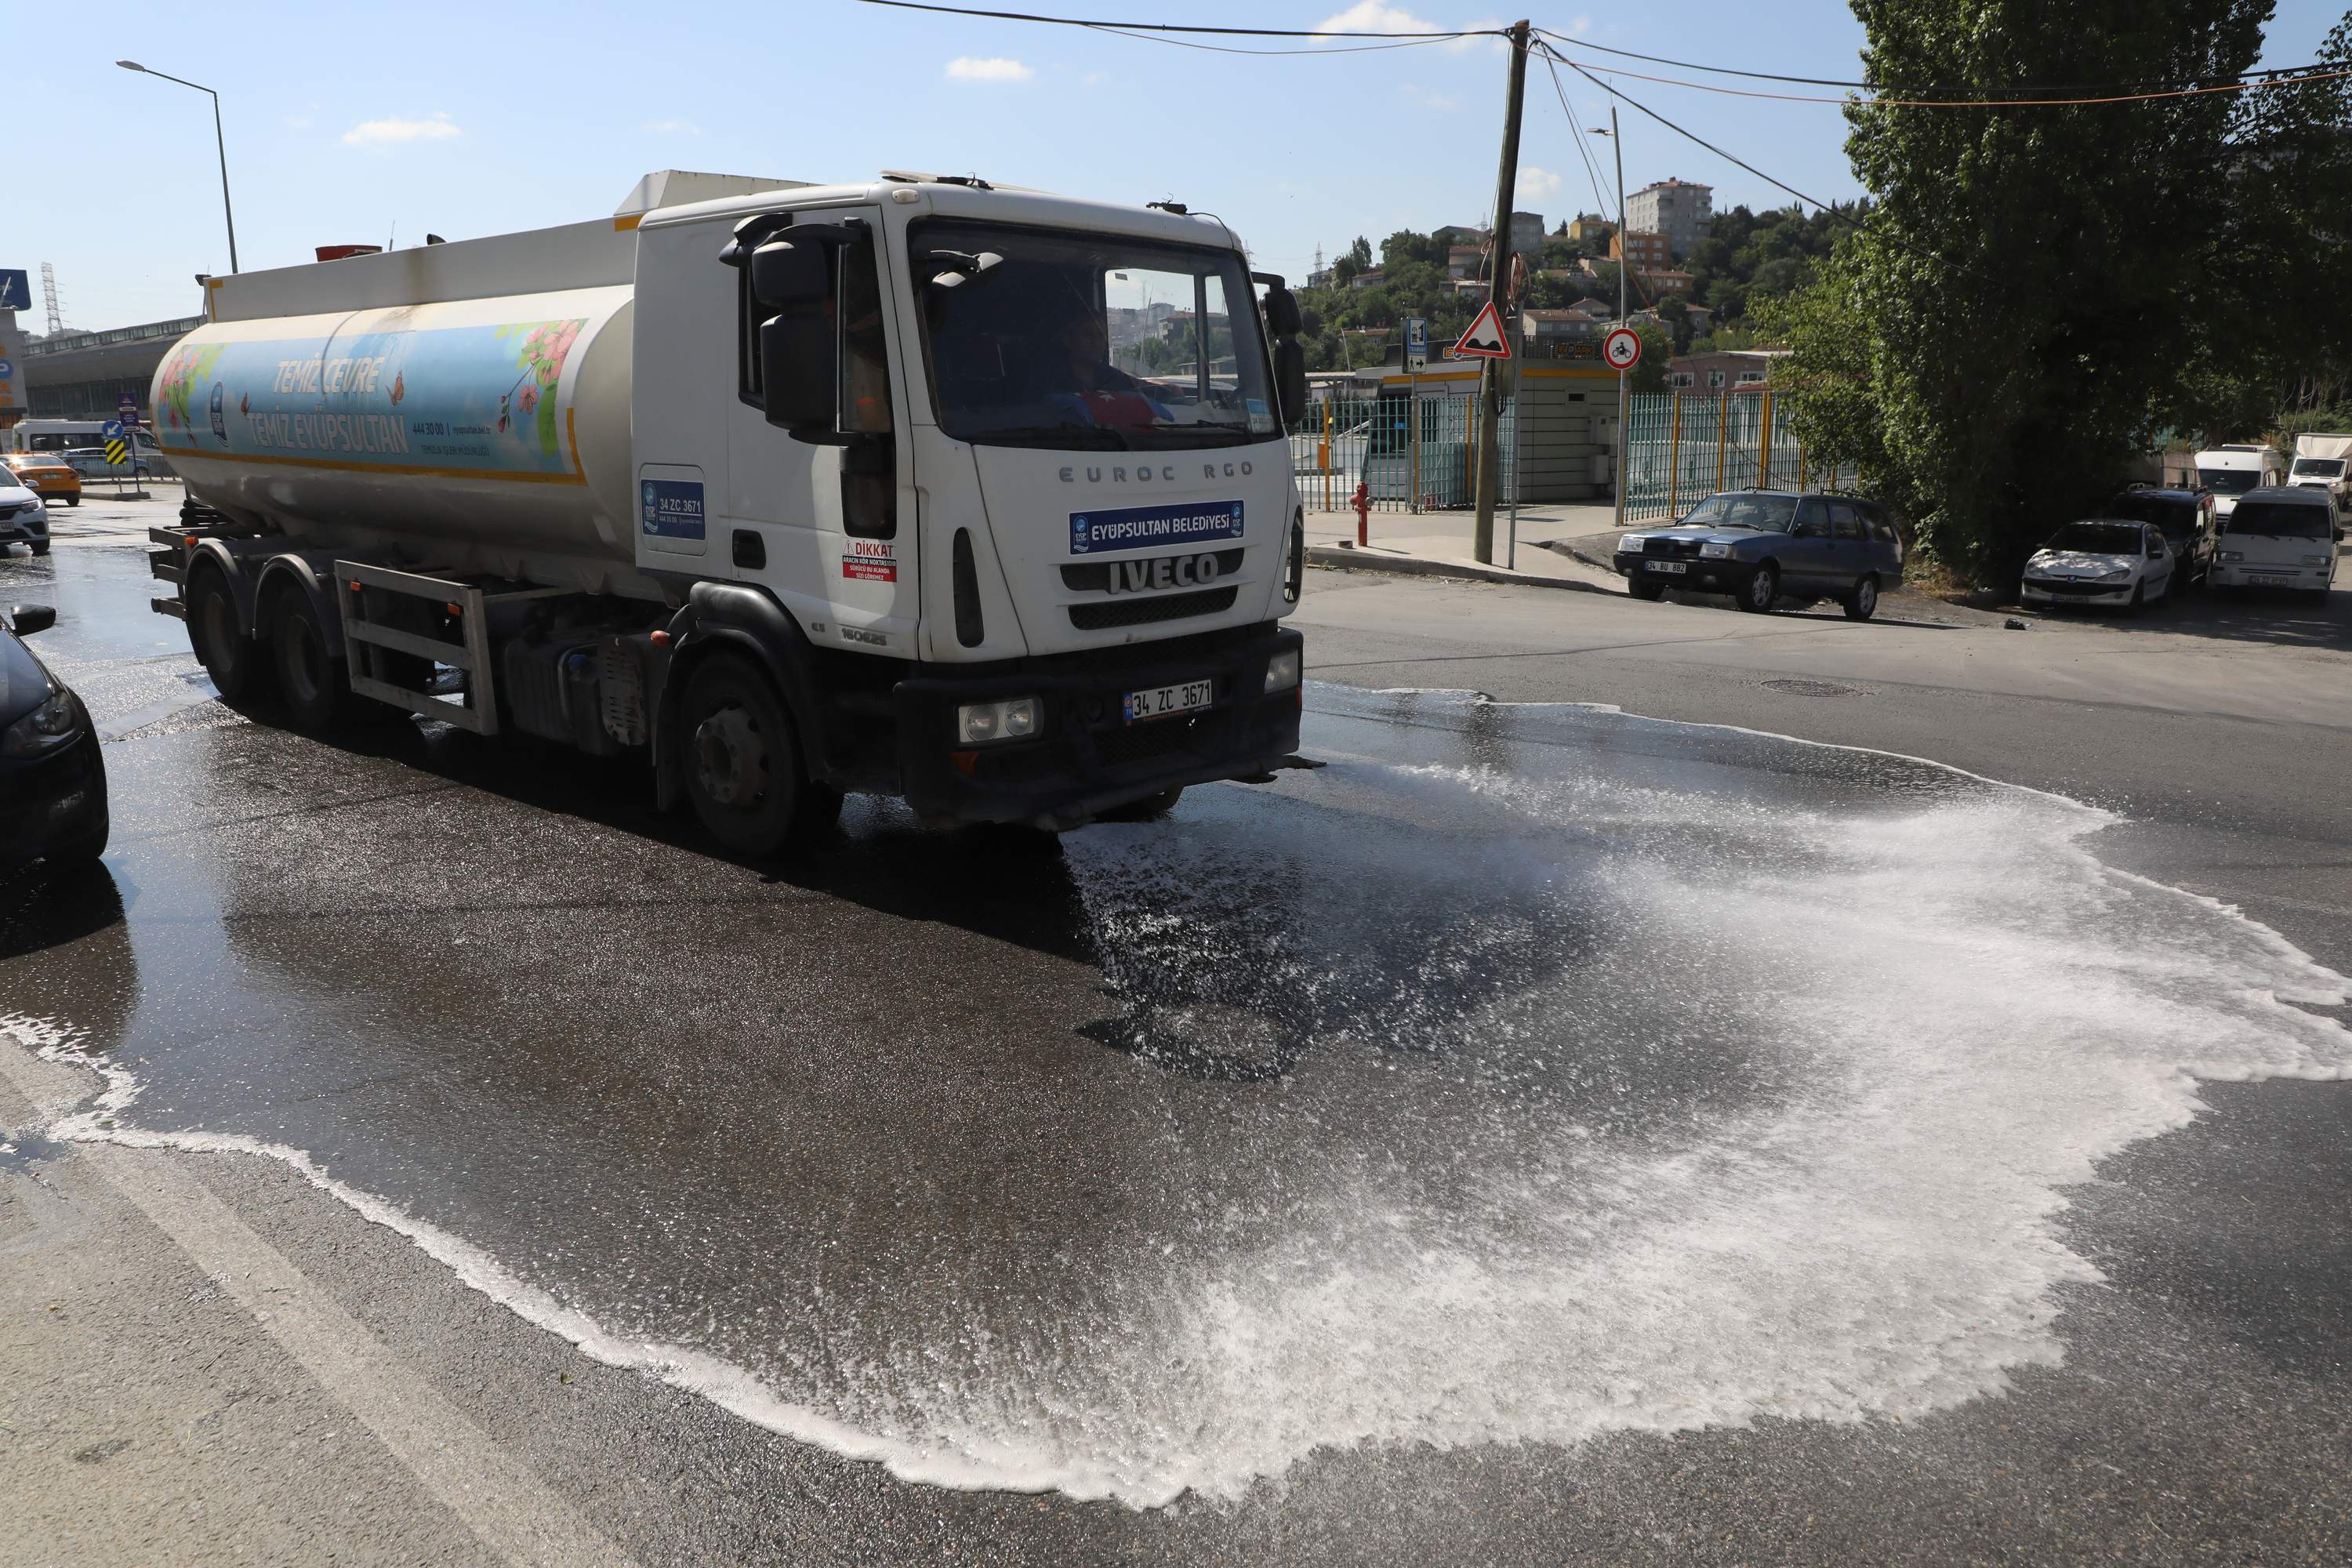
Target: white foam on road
[{"x": 1953, "y": 1011}]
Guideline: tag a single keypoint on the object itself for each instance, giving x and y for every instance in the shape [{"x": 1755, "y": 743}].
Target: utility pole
[
  {"x": 1624, "y": 259},
  {"x": 1498, "y": 291}
]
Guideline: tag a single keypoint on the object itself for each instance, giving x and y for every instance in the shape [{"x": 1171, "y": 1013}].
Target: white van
[
  {"x": 2231, "y": 471},
  {"x": 2279, "y": 537},
  {"x": 59, "y": 436}
]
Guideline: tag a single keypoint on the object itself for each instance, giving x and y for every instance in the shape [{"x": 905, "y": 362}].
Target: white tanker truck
[{"x": 972, "y": 495}]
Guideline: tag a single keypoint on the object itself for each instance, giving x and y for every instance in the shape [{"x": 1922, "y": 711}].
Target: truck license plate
[
  {"x": 1161, "y": 701},
  {"x": 1668, "y": 565}
]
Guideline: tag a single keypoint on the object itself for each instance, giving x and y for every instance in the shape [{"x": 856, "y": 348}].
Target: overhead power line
[
  {"x": 1174, "y": 26},
  {"x": 1690, "y": 135}
]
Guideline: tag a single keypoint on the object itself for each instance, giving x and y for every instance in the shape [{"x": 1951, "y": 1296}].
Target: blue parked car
[{"x": 1768, "y": 547}]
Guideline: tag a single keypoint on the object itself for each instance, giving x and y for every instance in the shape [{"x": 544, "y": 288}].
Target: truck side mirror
[
  {"x": 791, "y": 274},
  {"x": 789, "y": 270},
  {"x": 1282, "y": 318},
  {"x": 800, "y": 371},
  {"x": 1291, "y": 381}
]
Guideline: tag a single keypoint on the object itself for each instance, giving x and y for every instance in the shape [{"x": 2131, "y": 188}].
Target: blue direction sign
[
  {"x": 15, "y": 289},
  {"x": 110, "y": 429},
  {"x": 126, "y": 408},
  {"x": 7, "y": 369}
]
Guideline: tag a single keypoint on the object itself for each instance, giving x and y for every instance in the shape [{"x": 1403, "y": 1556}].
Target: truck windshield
[
  {"x": 2230, "y": 481},
  {"x": 1088, "y": 341},
  {"x": 2319, "y": 467}
]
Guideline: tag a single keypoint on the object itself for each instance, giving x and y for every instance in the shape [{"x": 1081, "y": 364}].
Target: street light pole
[
  {"x": 1624, "y": 259},
  {"x": 220, "y": 141}
]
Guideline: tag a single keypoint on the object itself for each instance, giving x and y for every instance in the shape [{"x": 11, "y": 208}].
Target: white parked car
[
  {"x": 2279, "y": 537},
  {"x": 24, "y": 519},
  {"x": 2101, "y": 562}
]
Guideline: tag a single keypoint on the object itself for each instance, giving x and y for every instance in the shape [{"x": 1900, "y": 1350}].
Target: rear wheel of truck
[
  {"x": 741, "y": 758},
  {"x": 238, "y": 665},
  {"x": 309, "y": 677}
]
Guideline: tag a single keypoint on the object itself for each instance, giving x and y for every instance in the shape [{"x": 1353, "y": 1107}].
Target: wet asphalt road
[{"x": 1531, "y": 1134}]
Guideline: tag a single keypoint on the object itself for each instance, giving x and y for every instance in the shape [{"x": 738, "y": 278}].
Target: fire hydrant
[{"x": 1362, "y": 502}]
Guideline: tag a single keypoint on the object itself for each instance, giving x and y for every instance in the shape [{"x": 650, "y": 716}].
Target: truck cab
[
  {"x": 977, "y": 497},
  {"x": 1013, "y": 465}
]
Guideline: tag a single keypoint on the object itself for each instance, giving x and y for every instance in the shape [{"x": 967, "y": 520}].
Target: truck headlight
[
  {"x": 54, "y": 724},
  {"x": 1014, "y": 719},
  {"x": 1630, "y": 543},
  {"x": 1282, "y": 671},
  {"x": 2233, "y": 555},
  {"x": 2317, "y": 560},
  {"x": 1715, "y": 552}
]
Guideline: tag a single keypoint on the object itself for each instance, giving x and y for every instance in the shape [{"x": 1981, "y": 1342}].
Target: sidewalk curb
[
  {"x": 1567, "y": 547},
  {"x": 1347, "y": 560}
]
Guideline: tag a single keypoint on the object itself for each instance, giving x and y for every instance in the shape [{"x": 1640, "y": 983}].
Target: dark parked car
[
  {"x": 52, "y": 779},
  {"x": 2186, "y": 518},
  {"x": 1762, "y": 546}
]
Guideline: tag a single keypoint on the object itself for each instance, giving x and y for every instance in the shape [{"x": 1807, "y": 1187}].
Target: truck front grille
[
  {"x": 1145, "y": 743},
  {"x": 1141, "y": 611}
]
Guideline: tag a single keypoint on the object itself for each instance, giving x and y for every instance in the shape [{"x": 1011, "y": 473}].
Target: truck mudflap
[{"x": 1087, "y": 757}]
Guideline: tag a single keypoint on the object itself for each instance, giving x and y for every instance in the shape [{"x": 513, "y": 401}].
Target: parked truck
[
  {"x": 2229, "y": 471},
  {"x": 2325, "y": 462},
  {"x": 792, "y": 490}
]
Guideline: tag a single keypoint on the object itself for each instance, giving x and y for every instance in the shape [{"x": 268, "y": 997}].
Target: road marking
[{"x": 497, "y": 1497}]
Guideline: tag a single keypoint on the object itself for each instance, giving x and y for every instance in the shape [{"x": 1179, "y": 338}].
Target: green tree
[
  {"x": 1361, "y": 253},
  {"x": 1677, "y": 316},
  {"x": 1405, "y": 245},
  {"x": 2037, "y": 291},
  {"x": 1657, "y": 357}
]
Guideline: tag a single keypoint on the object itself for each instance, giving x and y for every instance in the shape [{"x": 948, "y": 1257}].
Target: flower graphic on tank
[
  {"x": 529, "y": 404},
  {"x": 185, "y": 367}
]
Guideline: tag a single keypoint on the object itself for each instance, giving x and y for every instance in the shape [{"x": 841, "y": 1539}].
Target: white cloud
[
  {"x": 384, "y": 133},
  {"x": 1537, "y": 184},
  {"x": 673, "y": 128},
  {"x": 966, "y": 68},
  {"x": 1377, "y": 16},
  {"x": 305, "y": 120},
  {"x": 1443, "y": 102},
  {"x": 1096, "y": 79}
]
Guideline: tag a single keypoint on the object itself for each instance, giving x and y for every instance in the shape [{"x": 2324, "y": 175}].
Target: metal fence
[
  {"x": 1412, "y": 453},
  {"x": 1682, "y": 446}
]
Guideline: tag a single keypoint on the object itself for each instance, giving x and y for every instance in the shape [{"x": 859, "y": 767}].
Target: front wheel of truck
[{"x": 740, "y": 757}]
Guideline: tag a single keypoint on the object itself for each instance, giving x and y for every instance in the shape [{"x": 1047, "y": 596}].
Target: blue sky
[{"x": 346, "y": 122}]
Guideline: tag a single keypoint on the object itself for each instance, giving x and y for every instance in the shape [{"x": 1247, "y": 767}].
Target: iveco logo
[{"x": 1168, "y": 572}]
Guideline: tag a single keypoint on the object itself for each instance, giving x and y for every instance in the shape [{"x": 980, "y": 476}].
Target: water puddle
[{"x": 1523, "y": 1075}]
